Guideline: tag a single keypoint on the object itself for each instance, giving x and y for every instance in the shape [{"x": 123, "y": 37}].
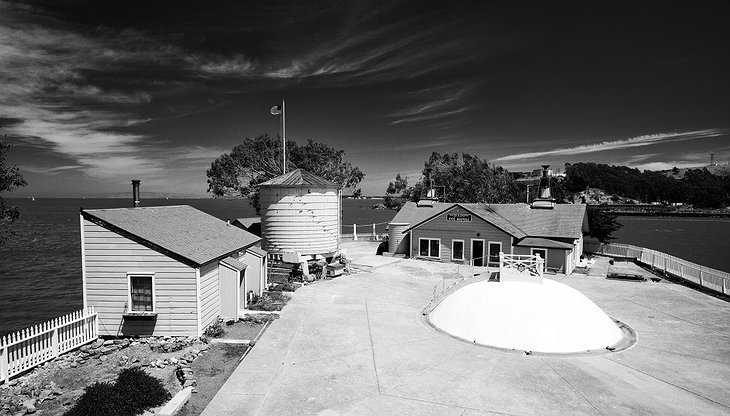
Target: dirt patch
[
  {"x": 55, "y": 386},
  {"x": 212, "y": 370}
]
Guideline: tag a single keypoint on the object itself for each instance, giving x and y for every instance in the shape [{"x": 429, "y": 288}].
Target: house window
[
  {"x": 141, "y": 293},
  {"x": 457, "y": 249},
  {"x": 429, "y": 247}
]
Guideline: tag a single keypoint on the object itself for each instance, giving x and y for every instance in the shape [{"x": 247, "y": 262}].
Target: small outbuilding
[{"x": 166, "y": 271}]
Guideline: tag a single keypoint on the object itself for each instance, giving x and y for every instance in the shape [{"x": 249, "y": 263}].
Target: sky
[{"x": 95, "y": 93}]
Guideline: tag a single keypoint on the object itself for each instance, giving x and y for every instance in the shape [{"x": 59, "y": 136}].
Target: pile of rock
[{"x": 21, "y": 397}]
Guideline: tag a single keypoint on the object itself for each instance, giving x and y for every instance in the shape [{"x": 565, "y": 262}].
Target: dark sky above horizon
[{"x": 95, "y": 93}]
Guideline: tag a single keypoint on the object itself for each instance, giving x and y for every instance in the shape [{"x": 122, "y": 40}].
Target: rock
[
  {"x": 29, "y": 406},
  {"x": 67, "y": 403},
  {"x": 85, "y": 349},
  {"x": 135, "y": 360},
  {"x": 195, "y": 351},
  {"x": 173, "y": 360},
  {"x": 46, "y": 394},
  {"x": 108, "y": 342},
  {"x": 103, "y": 358},
  {"x": 13, "y": 383},
  {"x": 98, "y": 343},
  {"x": 203, "y": 347},
  {"x": 189, "y": 383},
  {"x": 125, "y": 343},
  {"x": 74, "y": 365},
  {"x": 107, "y": 350}
]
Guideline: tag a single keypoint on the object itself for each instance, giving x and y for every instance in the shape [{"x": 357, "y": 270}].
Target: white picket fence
[
  {"x": 706, "y": 277},
  {"x": 30, "y": 347}
]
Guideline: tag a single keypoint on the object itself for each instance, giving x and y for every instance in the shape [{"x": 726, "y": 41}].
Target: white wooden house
[{"x": 170, "y": 270}]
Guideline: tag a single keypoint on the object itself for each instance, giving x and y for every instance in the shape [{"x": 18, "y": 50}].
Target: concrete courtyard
[{"x": 358, "y": 345}]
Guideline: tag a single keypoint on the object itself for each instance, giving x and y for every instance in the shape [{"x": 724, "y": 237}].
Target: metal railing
[
  {"x": 375, "y": 230},
  {"x": 30, "y": 347},
  {"x": 715, "y": 280}
]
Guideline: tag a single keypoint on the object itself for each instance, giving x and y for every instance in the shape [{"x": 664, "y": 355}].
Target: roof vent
[
  {"x": 135, "y": 192},
  {"x": 544, "y": 196}
]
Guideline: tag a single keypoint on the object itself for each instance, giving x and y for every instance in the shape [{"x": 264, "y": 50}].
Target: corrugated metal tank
[
  {"x": 398, "y": 243},
  {"x": 300, "y": 219}
]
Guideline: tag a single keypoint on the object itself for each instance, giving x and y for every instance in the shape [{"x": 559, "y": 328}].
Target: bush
[
  {"x": 214, "y": 331},
  {"x": 134, "y": 392}
]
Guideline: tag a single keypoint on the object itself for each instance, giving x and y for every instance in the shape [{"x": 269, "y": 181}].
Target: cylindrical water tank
[
  {"x": 300, "y": 212},
  {"x": 398, "y": 242}
]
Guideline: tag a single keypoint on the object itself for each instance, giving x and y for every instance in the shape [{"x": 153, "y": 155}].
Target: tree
[
  {"x": 460, "y": 178},
  {"x": 602, "y": 224},
  {"x": 10, "y": 179},
  {"x": 256, "y": 160},
  {"x": 397, "y": 194}
]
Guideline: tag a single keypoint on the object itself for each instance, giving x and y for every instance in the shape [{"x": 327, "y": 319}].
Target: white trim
[
  {"x": 489, "y": 243},
  {"x": 544, "y": 261},
  {"x": 83, "y": 263},
  {"x": 151, "y": 275},
  {"x": 463, "y": 247},
  {"x": 198, "y": 311},
  {"x": 429, "y": 247},
  {"x": 471, "y": 249}
]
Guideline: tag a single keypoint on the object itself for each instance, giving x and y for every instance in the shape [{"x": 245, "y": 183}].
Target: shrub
[
  {"x": 134, "y": 392},
  {"x": 214, "y": 331}
]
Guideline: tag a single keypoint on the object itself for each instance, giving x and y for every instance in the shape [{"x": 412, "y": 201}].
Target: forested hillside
[{"x": 698, "y": 187}]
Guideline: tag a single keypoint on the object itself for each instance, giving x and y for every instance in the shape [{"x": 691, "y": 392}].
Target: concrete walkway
[{"x": 357, "y": 345}]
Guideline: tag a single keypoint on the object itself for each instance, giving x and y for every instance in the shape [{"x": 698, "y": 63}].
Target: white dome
[{"x": 549, "y": 317}]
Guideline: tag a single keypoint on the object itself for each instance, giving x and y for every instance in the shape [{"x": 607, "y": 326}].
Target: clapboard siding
[
  {"x": 447, "y": 231},
  {"x": 109, "y": 257},
  {"x": 209, "y": 294}
]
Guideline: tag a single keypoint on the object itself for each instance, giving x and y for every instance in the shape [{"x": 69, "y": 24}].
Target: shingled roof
[
  {"x": 519, "y": 220},
  {"x": 180, "y": 229},
  {"x": 298, "y": 178},
  {"x": 562, "y": 221}
]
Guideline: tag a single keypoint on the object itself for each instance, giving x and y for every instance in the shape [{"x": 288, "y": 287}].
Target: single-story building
[
  {"x": 250, "y": 224},
  {"x": 458, "y": 232},
  {"x": 169, "y": 270}
]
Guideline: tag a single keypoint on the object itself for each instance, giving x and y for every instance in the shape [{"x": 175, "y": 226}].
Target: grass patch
[{"x": 134, "y": 392}]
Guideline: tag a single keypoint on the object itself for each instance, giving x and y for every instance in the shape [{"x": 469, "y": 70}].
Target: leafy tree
[
  {"x": 602, "y": 224},
  {"x": 256, "y": 160},
  {"x": 459, "y": 178},
  {"x": 10, "y": 179},
  {"x": 397, "y": 193}
]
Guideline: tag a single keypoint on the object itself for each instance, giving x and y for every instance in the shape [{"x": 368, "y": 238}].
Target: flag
[{"x": 276, "y": 110}]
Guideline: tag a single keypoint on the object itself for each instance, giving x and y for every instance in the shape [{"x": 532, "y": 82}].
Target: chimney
[
  {"x": 135, "y": 192},
  {"x": 544, "y": 196}
]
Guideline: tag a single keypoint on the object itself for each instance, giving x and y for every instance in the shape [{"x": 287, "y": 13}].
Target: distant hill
[
  {"x": 718, "y": 170},
  {"x": 701, "y": 188}
]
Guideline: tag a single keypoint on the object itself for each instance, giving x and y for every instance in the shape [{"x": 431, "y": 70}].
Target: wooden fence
[
  {"x": 30, "y": 347},
  {"x": 715, "y": 280}
]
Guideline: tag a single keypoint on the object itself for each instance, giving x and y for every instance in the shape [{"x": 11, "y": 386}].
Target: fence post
[
  {"x": 3, "y": 361},
  {"x": 54, "y": 341},
  {"x": 701, "y": 285},
  {"x": 354, "y": 232},
  {"x": 375, "y": 236}
]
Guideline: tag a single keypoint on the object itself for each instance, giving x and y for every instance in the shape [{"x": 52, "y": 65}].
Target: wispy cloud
[{"x": 639, "y": 141}]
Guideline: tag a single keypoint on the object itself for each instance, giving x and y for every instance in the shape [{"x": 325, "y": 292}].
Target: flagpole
[{"x": 283, "y": 130}]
